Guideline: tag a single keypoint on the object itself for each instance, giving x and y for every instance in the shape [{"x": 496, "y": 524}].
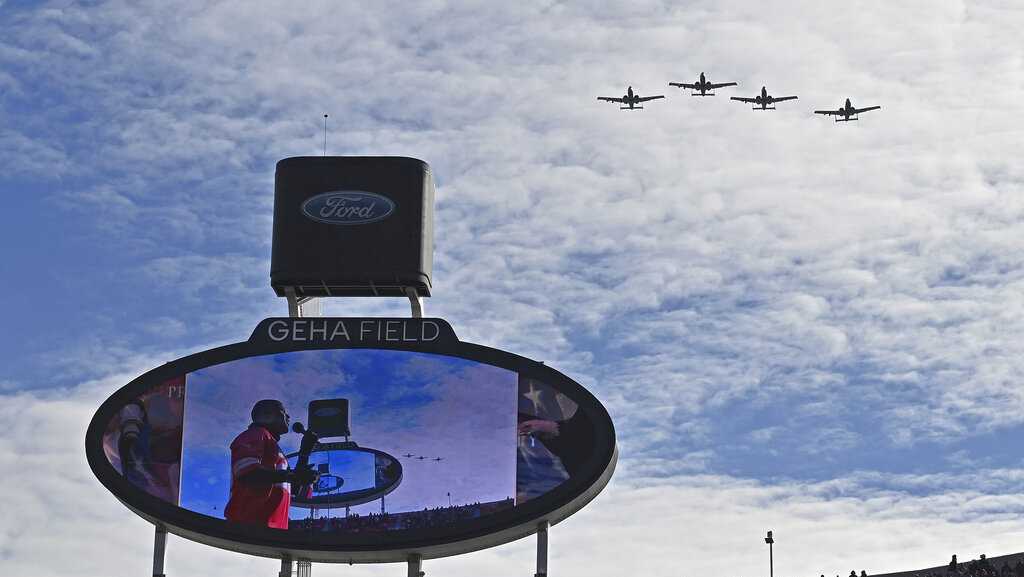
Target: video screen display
[
  {"x": 143, "y": 441},
  {"x": 431, "y": 440}
]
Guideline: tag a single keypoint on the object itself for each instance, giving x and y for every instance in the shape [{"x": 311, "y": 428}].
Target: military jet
[
  {"x": 846, "y": 112},
  {"x": 702, "y": 85},
  {"x": 408, "y": 455},
  {"x": 630, "y": 100},
  {"x": 438, "y": 458},
  {"x": 764, "y": 100}
]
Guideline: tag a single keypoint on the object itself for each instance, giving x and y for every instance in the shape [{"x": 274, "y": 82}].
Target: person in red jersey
[{"x": 260, "y": 478}]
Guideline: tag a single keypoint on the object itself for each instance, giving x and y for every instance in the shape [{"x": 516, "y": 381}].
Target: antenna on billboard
[{"x": 325, "y": 135}]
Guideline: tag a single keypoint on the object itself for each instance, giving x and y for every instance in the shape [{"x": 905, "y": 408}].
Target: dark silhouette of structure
[
  {"x": 764, "y": 100},
  {"x": 630, "y": 99},
  {"x": 846, "y": 111},
  {"x": 702, "y": 87},
  {"x": 1003, "y": 566}
]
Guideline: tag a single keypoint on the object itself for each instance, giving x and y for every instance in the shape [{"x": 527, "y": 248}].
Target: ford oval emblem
[{"x": 347, "y": 207}]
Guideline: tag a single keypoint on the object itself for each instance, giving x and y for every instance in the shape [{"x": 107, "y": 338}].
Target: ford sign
[{"x": 347, "y": 207}]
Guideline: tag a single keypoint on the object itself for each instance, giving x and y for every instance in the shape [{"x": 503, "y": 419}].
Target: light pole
[{"x": 771, "y": 561}]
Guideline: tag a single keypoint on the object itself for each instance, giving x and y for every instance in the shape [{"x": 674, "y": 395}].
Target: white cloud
[
  {"x": 820, "y": 527},
  {"x": 691, "y": 258}
]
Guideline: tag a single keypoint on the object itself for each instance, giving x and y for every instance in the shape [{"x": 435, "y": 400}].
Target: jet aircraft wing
[
  {"x": 683, "y": 85},
  {"x": 859, "y": 110},
  {"x": 646, "y": 98},
  {"x": 611, "y": 99},
  {"x": 781, "y": 98},
  {"x": 714, "y": 86},
  {"x": 741, "y": 99},
  {"x": 827, "y": 112}
]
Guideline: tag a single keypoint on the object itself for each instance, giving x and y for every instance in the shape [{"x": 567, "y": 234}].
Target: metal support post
[
  {"x": 286, "y": 567},
  {"x": 310, "y": 307},
  {"x": 301, "y": 306},
  {"x": 293, "y": 302},
  {"x": 415, "y": 566},
  {"x": 542, "y": 550},
  {"x": 415, "y": 301},
  {"x": 159, "y": 549},
  {"x": 304, "y": 568}
]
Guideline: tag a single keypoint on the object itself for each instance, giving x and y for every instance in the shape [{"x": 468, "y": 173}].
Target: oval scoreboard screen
[{"x": 427, "y": 444}]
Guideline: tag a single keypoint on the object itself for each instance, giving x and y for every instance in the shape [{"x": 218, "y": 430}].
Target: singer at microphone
[{"x": 260, "y": 478}]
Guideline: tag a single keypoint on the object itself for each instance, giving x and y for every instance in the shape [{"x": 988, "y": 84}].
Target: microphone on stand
[{"x": 309, "y": 440}]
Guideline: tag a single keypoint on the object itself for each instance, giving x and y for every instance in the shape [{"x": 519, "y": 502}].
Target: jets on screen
[{"x": 704, "y": 87}]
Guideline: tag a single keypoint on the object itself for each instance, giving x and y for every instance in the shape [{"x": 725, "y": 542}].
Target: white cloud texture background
[{"x": 797, "y": 325}]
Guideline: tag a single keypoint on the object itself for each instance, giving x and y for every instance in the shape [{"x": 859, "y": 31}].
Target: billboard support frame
[
  {"x": 295, "y": 304},
  {"x": 159, "y": 550},
  {"x": 542, "y": 549},
  {"x": 415, "y": 566},
  {"x": 415, "y": 301}
]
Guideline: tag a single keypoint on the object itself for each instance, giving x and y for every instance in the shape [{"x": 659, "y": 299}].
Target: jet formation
[
  {"x": 762, "y": 101},
  {"x": 422, "y": 457}
]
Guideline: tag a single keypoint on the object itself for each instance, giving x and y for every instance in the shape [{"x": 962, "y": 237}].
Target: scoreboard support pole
[
  {"x": 159, "y": 550},
  {"x": 301, "y": 306},
  {"x": 415, "y": 302},
  {"x": 286, "y": 567},
  {"x": 415, "y": 566},
  {"x": 542, "y": 550},
  {"x": 311, "y": 307}
]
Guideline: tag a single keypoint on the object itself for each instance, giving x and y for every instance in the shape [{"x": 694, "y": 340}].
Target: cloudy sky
[{"x": 796, "y": 325}]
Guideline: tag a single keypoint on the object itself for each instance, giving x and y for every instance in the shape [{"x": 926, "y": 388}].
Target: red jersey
[{"x": 259, "y": 504}]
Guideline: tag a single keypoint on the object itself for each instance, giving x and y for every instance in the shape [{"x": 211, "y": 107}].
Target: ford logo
[{"x": 348, "y": 207}]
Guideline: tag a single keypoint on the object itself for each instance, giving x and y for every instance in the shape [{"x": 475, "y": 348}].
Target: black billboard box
[{"x": 352, "y": 226}]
